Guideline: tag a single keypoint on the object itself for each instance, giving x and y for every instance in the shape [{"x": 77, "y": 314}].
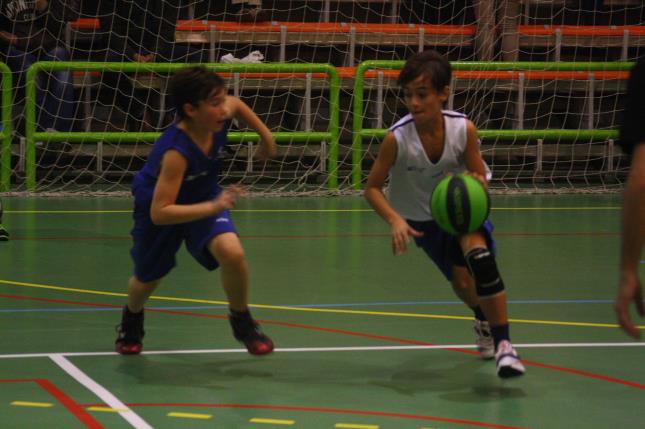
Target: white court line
[
  {"x": 324, "y": 349},
  {"x": 100, "y": 391}
]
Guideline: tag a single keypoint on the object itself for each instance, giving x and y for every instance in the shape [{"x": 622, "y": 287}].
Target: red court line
[
  {"x": 327, "y": 410},
  {"x": 350, "y": 333},
  {"x": 75, "y": 408}
]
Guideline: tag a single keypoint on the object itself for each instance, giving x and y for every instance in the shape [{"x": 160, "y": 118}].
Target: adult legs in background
[
  {"x": 58, "y": 97},
  {"x": 54, "y": 92}
]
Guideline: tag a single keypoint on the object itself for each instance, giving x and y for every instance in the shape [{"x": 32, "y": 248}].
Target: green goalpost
[
  {"x": 5, "y": 132},
  {"x": 352, "y": 156},
  {"x": 330, "y": 136},
  {"x": 360, "y": 133}
]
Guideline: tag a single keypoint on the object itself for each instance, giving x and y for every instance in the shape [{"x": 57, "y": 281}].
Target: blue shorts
[
  {"x": 155, "y": 246},
  {"x": 444, "y": 248}
]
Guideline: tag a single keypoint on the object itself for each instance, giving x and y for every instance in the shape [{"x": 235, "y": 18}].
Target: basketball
[{"x": 460, "y": 204}]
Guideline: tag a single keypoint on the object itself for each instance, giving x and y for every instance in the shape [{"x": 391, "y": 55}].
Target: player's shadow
[
  {"x": 462, "y": 380},
  {"x": 480, "y": 392},
  {"x": 286, "y": 369},
  {"x": 186, "y": 371}
]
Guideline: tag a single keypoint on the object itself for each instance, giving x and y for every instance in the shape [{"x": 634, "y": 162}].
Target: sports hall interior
[{"x": 364, "y": 339}]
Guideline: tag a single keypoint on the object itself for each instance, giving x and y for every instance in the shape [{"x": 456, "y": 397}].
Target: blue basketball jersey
[{"x": 200, "y": 181}]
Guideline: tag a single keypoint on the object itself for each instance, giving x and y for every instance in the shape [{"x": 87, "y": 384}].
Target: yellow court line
[
  {"x": 557, "y": 208},
  {"x": 107, "y": 409},
  {"x": 272, "y": 421},
  {"x": 32, "y": 404},
  {"x": 313, "y": 309},
  {"x": 190, "y": 415},
  {"x": 355, "y": 426},
  {"x": 60, "y": 288},
  {"x": 67, "y": 211}
]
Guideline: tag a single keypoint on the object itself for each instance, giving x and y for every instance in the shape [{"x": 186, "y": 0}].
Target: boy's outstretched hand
[
  {"x": 228, "y": 197},
  {"x": 266, "y": 150}
]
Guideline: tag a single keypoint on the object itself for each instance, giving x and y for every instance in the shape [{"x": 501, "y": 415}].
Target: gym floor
[{"x": 364, "y": 339}]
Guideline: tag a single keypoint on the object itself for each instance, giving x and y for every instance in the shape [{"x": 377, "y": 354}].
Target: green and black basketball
[{"x": 460, "y": 204}]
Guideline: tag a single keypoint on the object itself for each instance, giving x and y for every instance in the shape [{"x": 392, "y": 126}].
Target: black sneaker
[
  {"x": 247, "y": 331},
  {"x": 4, "y": 235},
  {"x": 129, "y": 340}
]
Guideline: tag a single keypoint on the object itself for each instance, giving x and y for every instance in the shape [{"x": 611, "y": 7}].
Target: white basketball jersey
[{"x": 413, "y": 176}]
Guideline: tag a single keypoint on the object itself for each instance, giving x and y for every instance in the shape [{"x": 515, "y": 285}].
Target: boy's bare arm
[
  {"x": 401, "y": 231},
  {"x": 472, "y": 155},
  {"x": 376, "y": 180},
  {"x": 241, "y": 110},
  {"x": 165, "y": 210},
  {"x": 633, "y": 240}
]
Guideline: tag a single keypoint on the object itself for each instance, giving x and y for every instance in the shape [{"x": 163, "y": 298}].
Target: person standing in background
[
  {"x": 33, "y": 31},
  {"x": 632, "y": 138}
]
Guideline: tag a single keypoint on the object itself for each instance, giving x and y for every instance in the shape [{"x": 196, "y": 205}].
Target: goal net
[{"x": 543, "y": 81}]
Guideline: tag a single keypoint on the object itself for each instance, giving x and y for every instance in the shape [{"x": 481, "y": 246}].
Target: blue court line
[{"x": 370, "y": 304}]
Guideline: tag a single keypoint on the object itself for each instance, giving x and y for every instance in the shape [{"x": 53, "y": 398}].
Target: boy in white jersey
[{"x": 418, "y": 151}]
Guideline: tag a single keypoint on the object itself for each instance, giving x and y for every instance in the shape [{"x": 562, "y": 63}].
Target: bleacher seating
[
  {"x": 580, "y": 36},
  {"x": 349, "y": 35},
  {"x": 345, "y": 44},
  {"x": 216, "y": 34}
]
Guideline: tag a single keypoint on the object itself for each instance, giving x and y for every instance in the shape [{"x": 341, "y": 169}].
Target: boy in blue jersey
[
  {"x": 418, "y": 151},
  {"x": 177, "y": 199}
]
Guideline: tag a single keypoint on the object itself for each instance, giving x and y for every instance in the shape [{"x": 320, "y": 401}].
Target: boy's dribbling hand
[
  {"x": 401, "y": 233},
  {"x": 228, "y": 197},
  {"x": 481, "y": 179}
]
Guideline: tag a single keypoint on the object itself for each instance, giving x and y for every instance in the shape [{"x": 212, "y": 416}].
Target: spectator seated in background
[
  {"x": 32, "y": 31},
  {"x": 250, "y": 10},
  {"x": 144, "y": 32}
]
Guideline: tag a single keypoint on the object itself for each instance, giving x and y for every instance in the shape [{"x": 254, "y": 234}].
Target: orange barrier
[
  {"x": 350, "y": 73},
  {"x": 323, "y": 27},
  {"x": 542, "y": 75},
  {"x": 466, "y": 30},
  {"x": 85, "y": 24},
  {"x": 580, "y": 30}
]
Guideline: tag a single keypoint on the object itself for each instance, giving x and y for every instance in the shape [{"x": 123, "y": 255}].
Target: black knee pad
[{"x": 482, "y": 266}]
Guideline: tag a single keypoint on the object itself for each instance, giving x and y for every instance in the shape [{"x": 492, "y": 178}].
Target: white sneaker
[
  {"x": 484, "y": 340},
  {"x": 508, "y": 361},
  {"x": 254, "y": 57}
]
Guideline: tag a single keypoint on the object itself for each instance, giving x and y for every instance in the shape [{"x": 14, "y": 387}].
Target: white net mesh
[{"x": 506, "y": 105}]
